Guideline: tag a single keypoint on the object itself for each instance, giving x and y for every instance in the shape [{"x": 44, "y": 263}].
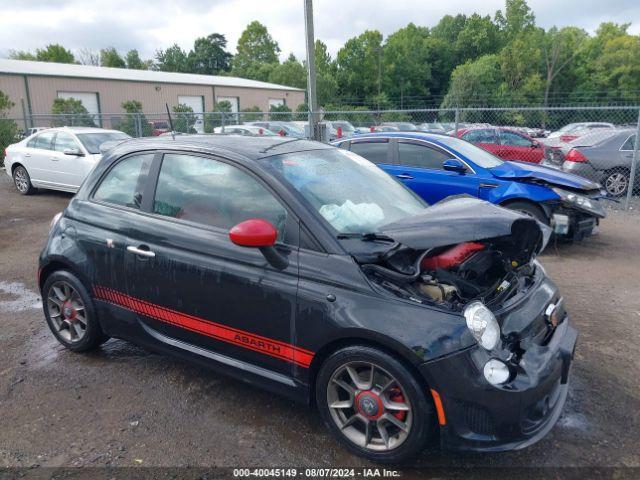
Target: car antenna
[{"x": 173, "y": 132}]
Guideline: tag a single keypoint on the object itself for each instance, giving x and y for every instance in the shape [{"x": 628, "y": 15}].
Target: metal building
[{"x": 102, "y": 90}]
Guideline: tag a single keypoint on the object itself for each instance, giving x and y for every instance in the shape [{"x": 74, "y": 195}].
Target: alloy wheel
[
  {"x": 369, "y": 406},
  {"x": 67, "y": 312},
  {"x": 21, "y": 180},
  {"x": 616, "y": 184}
]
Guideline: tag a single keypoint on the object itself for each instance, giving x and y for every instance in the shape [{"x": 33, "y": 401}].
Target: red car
[{"x": 505, "y": 143}]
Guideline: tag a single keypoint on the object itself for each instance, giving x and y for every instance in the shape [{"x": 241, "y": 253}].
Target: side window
[
  {"x": 421, "y": 156},
  {"x": 209, "y": 192},
  {"x": 630, "y": 143},
  {"x": 513, "y": 139},
  {"x": 480, "y": 136},
  {"x": 124, "y": 183},
  {"x": 375, "y": 152},
  {"x": 44, "y": 141},
  {"x": 65, "y": 141}
]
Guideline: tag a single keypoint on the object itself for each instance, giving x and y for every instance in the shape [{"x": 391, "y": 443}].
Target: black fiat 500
[{"x": 304, "y": 269}]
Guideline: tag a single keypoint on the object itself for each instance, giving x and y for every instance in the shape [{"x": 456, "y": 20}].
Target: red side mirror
[{"x": 255, "y": 232}]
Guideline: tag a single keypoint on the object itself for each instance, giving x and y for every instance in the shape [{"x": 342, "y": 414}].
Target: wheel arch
[
  {"x": 15, "y": 165},
  {"x": 355, "y": 340},
  {"x": 57, "y": 264},
  {"x": 544, "y": 207}
]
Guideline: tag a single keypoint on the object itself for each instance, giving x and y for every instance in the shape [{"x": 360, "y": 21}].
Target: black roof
[{"x": 251, "y": 147}]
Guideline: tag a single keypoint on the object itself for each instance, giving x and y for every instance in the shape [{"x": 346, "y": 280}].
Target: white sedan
[{"x": 57, "y": 158}]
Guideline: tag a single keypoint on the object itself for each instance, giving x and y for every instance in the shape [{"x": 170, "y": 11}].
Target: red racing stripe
[{"x": 225, "y": 333}]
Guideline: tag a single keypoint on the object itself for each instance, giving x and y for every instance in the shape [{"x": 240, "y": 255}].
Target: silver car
[{"x": 602, "y": 156}]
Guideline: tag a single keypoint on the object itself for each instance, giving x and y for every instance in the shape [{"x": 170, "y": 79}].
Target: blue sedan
[{"x": 438, "y": 166}]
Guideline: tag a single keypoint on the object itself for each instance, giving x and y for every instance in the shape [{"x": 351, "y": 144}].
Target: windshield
[
  {"x": 477, "y": 155},
  {"x": 92, "y": 141},
  {"x": 349, "y": 192}
]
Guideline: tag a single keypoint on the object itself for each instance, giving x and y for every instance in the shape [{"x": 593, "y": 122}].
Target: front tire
[
  {"x": 22, "y": 181},
  {"x": 70, "y": 312},
  {"x": 374, "y": 405}
]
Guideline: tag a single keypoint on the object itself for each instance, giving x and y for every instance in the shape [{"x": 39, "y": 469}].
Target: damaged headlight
[
  {"x": 580, "y": 201},
  {"x": 482, "y": 324}
]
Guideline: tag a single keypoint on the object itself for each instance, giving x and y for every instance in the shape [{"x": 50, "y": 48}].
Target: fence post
[
  {"x": 457, "y": 120},
  {"x": 634, "y": 162},
  {"x": 222, "y": 116}
]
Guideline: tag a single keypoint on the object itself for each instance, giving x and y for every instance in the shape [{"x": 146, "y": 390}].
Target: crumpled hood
[
  {"x": 465, "y": 219},
  {"x": 523, "y": 171}
]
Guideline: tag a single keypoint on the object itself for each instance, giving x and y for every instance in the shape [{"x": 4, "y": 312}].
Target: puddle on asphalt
[
  {"x": 15, "y": 297},
  {"x": 575, "y": 421}
]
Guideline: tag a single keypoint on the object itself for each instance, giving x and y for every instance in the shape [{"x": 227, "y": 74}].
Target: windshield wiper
[
  {"x": 275, "y": 145},
  {"x": 367, "y": 237}
]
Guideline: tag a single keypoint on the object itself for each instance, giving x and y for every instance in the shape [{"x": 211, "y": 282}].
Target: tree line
[{"x": 464, "y": 60}]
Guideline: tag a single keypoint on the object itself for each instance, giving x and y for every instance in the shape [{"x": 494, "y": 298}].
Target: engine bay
[{"x": 452, "y": 276}]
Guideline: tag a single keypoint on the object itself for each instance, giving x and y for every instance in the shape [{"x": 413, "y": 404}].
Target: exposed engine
[{"x": 452, "y": 276}]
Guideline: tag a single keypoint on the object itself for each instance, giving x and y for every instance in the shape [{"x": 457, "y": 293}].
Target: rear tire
[
  {"x": 616, "y": 182},
  {"x": 529, "y": 209},
  {"x": 22, "y": 181},
  {"x": 390, "y": 418},
  {"x": 70, "y": 312}
]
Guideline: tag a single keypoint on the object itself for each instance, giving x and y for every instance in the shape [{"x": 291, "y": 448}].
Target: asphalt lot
[{"x": 124, "y": 406}]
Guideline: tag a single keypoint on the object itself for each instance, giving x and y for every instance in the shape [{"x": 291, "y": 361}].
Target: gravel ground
[{"x": 124, "y": 406}]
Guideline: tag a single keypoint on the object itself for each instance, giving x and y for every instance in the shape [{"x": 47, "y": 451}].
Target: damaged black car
[{"x": 306, "y": 270}]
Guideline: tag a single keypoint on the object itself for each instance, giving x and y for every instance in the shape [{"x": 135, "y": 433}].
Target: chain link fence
[{"x": 597, "y": 143}]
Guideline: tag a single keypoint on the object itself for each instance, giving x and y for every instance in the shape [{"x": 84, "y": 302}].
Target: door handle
[
  {"x": 141, "y": 251},
  {"x": 27, "y": 154},
  {"x": 54, "y": 159},
  {"x": 405, "y": 176}
]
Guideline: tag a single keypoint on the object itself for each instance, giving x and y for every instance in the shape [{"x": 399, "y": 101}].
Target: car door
[
  {"x": 514, "y": 146},
  {"x": 190, "y": 284},
  {"x": 419, "y": 166},
  {"x": 101, "y": 224},
  {"x": 67, "y": 170},
  {"x": 485, "y": 138},
  {"x": 37, "y": 157},
  {"x": 376, "y": 150}
]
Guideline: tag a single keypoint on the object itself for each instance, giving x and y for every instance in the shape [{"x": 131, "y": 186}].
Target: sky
[{"x": 152, "y": 25}]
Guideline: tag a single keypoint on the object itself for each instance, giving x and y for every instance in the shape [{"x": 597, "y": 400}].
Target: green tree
[
  {"x": 517, "y": 18},
  {"x": 449, "y": 27},
  {"x": 282, "y": 112},
  {"x": 326, "y": 83},
  {"x": 359, "y": 66},
  {"x": 135, "y": 123},
  {"x": 209, "y": 56},
  {"x": 251, "y": 114},
  {"x": 21, "y": 55},
  {"x": 184, "y": 118},
  {"x": 291, "y": 73},
  {"x": 560, "y": 49},
  {"x": 71, "y": 113},
  {"x": 173, "y": 59},
  {"x": 8, "y": 127},
  {"x": 55, "y": 53},
  {"x": 51, "y": 53},
  {"x": 406, "y": 64},
  {"x": 479, "y": 36},
  {"x": 109, "y": 57},
  {"x": 255, "y": 49},
  {"x": 134, "y": 62},
  {"x": 472, "y": 81}
]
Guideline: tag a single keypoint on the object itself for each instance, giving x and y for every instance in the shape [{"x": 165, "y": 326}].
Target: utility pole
[{"x": 311, "y": 71}]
